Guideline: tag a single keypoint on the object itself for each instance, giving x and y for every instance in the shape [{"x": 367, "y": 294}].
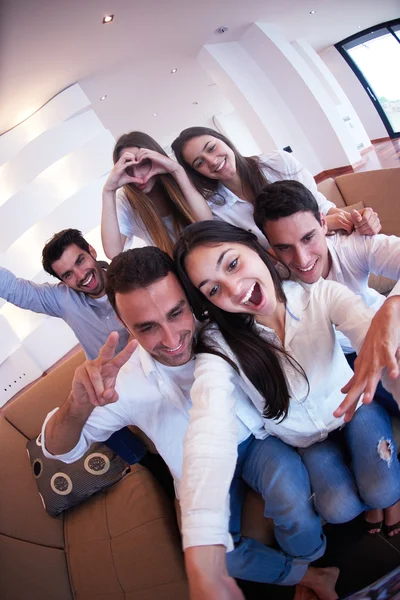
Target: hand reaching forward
[
  {"x": 379, "y": 351},
  {"x": 94, "y": 380}
]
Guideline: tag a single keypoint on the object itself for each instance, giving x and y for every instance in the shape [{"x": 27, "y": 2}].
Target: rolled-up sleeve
[{"x": 210, "y": 455}]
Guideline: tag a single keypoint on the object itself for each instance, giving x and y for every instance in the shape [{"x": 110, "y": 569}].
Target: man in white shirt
[
  {"x": 290, "y": 218},
  {"x": 151, "y": 389}
]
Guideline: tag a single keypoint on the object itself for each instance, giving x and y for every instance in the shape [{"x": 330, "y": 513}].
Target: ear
[
  {"x": 92, "y": 252},
  {"x": 324, "y": 224}
]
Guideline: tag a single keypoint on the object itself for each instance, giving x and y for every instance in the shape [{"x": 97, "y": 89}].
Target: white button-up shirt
[
  {"x": 156, "y": 399},
  {"x": 355, "y": 257},
  {"x": 311, "y": 313},
  {"x": 277, "y": 166}
]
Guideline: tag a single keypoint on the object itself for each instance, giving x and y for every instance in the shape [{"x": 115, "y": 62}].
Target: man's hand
[
  {"x": 379, "y": 351},
  {"x": 366, "y": 221},
  {"x": 94, "y": 380},
  {"x": 208, "y": 577}
]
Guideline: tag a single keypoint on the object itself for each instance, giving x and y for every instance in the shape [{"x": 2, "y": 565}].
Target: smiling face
[
  {"x": 160, "y": 318},
  {"x": 299, "y": 242},
  {"x": 233, "y": 277},
  {"x": 211, "y": 157},
  {"x": 79, "y": 270},
  {"x": 140, "y": 170}
]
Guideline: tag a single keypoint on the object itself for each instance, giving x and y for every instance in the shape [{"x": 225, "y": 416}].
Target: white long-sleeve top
[
  {"x": 311, "y": 313},
  {"x": 228, "y": 207}
]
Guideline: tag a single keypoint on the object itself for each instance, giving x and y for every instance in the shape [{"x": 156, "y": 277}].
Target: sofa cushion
[
  {"x": 28, "y": 412},
  {"x": 21, "y": 510},
  {"x": 378, "y": 189},
  {"x": 130, "y": 531},
  {"x": 62, "y": 485},
  {"x": 330, "y": 190},
  {"x": 31, "y": 571}
]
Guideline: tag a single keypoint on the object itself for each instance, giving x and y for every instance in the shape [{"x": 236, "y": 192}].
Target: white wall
[
  {"x": 355, "y": 92},
  {"x": 53, "y": 169}
]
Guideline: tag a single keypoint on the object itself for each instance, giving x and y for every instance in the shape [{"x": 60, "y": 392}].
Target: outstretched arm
[
  {"x": 93, "y": 386},
  {"x": 41, "y": 298}
]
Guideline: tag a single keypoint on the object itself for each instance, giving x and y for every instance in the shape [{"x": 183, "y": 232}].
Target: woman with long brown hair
[{"x": 147, "y": 195}]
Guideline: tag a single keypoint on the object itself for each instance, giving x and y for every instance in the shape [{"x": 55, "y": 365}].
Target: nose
[
  {"x": 301, "y": 257},
  {"x": 170, "y": 338},
  {"x": 231, "y": 287}
]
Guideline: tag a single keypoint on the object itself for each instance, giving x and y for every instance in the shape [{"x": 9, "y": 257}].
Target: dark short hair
[
  {"x": 283, "y": 199},
  {"x": 136, "y": 268},
  {"x": 56, "y": 246}
]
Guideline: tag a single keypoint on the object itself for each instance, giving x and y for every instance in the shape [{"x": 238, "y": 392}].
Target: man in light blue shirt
[{"x": 80, "y": 300}]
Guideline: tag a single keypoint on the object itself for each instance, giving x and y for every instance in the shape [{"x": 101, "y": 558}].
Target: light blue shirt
[{"x": 91, "y": 320}]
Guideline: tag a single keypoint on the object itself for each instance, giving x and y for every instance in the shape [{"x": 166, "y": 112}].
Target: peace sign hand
[
  {"x": 94, "y": 380},
  {"x": 118, "y": 176}
]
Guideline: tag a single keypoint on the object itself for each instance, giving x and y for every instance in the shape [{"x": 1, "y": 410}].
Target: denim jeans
[
  {"x": 127, "y": 445},
  {"x": 382, "y": 396},
  {"x": 276, "y": 471},
  {"x": 356, "y": 467}
]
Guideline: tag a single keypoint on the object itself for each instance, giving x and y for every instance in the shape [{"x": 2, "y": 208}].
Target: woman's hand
[
  {"x": 118, "y": 176},
  {"x": 366, "y": 221},
  {"x": 160, "y": 164},
  {"x": 340, "y": 219}
]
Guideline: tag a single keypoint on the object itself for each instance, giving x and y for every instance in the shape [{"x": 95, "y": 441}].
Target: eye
[
  {"x": 147, "y": 329},
  {"x": 308, "y": 238},
  {"x": 232, "y": 265},
  {"x": 198, "y": 164},
  {"x": 176, "y": 314},
  {"x": 282, "y": 248},
  {"x": 211, "y": 148},
  {"x": 213, "y": 291},
  {"x": 67, "y": 275}
]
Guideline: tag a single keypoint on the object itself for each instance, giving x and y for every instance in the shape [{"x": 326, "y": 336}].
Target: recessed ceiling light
[
  {"x": 174, "y": 70},
  {"x": 221, "y": 30},
  {"x": 312, "y": 12},
  {"x": 155, "y": 114},
  {"x": 195, "y": 102},
  {"x": 359, "y": 27},
  {"x": 108, "y": 19},
  {"x": 103, "y": 98}
]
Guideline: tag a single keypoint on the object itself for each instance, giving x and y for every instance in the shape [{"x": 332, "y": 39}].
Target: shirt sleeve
[
  {"x": 347, "y": 311},
  {"x": 396, "y": 290},
  {"x": 210, "y": 455},
  {"x": 381, "y": 254},
  {"x": 41, "y": 298},
  {"x": 101, "y": 424},
  {"x": 125, "y": 215},
  {"x": 290, "y": 168}
]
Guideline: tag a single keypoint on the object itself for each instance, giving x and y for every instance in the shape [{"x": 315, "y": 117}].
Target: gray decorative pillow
[{"x": 62, "y": 485}]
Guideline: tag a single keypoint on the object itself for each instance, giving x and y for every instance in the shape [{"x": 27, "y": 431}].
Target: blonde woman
[{"x": 147, "y": 195}]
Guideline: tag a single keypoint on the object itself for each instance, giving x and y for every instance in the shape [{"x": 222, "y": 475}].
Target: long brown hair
[
  {"x": 180, "y": 211},
  {"x": 262, "y": 361},
  {"x": 250, "y": 168}
]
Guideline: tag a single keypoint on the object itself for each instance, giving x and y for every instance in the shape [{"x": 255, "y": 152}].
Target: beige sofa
[{"x": 123, "y": 543}]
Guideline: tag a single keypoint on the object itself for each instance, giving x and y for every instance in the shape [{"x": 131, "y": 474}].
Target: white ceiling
[{"x": 47, "y": 45}]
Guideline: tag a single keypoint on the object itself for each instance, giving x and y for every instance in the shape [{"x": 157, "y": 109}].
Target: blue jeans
[
  {"x": 348, "y": 472},
  {"x": 275, "y": 470},
  {"x": 382, "y": 396},
  {"x": 127, "y": 445}
]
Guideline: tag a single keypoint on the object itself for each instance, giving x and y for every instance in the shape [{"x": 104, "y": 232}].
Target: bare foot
[
  {"x": 374, "y": 516},
  {"x": 392, "y": 517},
  {"x": 303, "y": 593},
  {"x": 322, "y": 582}
]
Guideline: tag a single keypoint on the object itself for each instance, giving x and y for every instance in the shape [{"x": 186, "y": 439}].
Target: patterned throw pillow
[{"x": 62, "y": 485}]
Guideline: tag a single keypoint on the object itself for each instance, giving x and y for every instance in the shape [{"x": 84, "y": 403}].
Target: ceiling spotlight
[
  {"x": 103, "y": 98},
  {"x": 359, "y": 27},
  {"x": 312, "y": 12},
  {"x": 154, "y": 114},
  {"x": 221, "y": 30},
  {"x": 174, "y": 70},
  {"x": 108, "y": 19},
  {"x": 195, "y": 102}
]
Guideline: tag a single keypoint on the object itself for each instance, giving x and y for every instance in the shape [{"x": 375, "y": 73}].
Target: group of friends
[{"x": 244, "y": 341}]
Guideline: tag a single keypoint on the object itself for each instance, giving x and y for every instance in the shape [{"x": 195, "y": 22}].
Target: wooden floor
[{"x": 382, "y": 155}]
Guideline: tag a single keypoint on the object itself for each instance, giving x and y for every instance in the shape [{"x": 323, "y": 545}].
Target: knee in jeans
[
  {"x": 376, "y": 492},
  {"x": 338, "y": 507}
]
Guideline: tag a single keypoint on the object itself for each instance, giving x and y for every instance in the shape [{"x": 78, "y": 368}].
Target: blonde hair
[{"x": 181, "y": 213}]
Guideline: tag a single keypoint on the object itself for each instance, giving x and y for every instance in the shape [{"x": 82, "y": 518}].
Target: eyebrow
[
  {"x": 219, "y": 261},
  {"x": 177, "y": 306},
  {"x": 68, "y": 270},
  {"x": 204, "y": 147},
  {"x": 285, "y": 244}
]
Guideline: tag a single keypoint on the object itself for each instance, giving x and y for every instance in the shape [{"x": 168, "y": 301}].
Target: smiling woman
[{"x": 156, "y": 201}]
